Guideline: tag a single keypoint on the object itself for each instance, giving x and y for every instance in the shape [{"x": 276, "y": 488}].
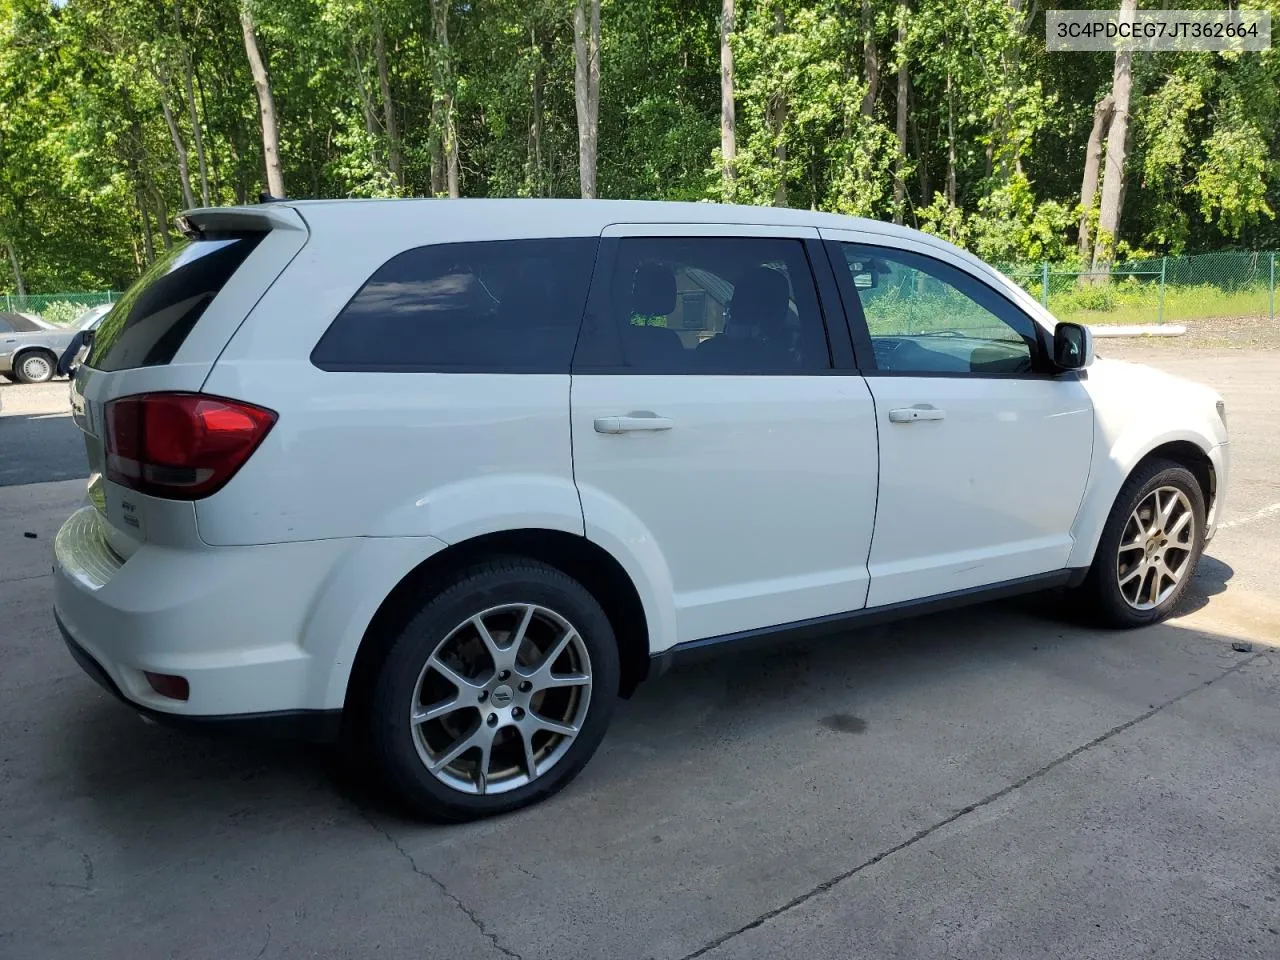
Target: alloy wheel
[
  {"x": 1156, "y": 548},
  {"x": 501, "y": 699},
  {"x": 36, "y": 368}
]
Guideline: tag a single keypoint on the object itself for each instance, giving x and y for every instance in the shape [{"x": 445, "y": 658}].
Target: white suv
[{"x": 455, "y": 475}]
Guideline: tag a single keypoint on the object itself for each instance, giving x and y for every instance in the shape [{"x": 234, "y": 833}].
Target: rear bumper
[
  {"x": 231, "y": 621},
  {"x": 320, "y": 726},
  {"x": 264, "y": 635}
]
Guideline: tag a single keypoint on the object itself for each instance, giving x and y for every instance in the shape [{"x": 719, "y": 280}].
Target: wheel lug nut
[
  {"x": 525, "y": 686},
  {"x": 484, "y": 695},
  {"x": 493, "y": 720},
  {"x": 503, "y": 674},
  {"x": 517, "y": 712}
]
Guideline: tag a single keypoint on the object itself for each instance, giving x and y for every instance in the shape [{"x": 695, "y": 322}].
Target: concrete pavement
[{"x": 996, "y": 782}]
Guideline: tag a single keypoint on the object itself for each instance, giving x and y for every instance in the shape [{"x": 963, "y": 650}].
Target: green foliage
[
  {"x": 1232, "y": 184},
  {"x": 1087, "y": 297},
  {"x": 61, "y": 311},
  {"x": 90, "y": 178}
]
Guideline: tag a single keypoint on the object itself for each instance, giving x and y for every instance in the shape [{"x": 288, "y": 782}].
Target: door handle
[
  {"x": 633, "y": 422},
  {"x": 921, "y": 411}
]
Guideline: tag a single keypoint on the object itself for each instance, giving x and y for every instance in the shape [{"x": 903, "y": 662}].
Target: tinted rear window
[
  {"x": 149, "y": 324},
  {"x": 17, "y": 323},
  {"x": 509, "y": 305}
]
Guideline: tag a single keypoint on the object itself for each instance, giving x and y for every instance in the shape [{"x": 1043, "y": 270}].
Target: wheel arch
[
  {"x": 588, "y": 563},
  {"x": 1187, "y": 450},
  {"x": 1189, "y": 455}
]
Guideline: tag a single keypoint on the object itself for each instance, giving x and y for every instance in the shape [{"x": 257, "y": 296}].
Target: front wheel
[
  {"x": 496, "y": 694},
  {"x": 1149, "y": 547}
]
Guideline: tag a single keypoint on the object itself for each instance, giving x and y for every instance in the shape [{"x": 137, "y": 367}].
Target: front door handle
[
  {"x": 921, "y": 411},
  {"x": 633, "y": 422}
]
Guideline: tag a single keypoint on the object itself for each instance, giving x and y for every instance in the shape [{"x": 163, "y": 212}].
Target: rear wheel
[
  {"x": 496, "y": 694},
  {"x": 1149, "y": 547},
  {"x": 35, "y": 366}
]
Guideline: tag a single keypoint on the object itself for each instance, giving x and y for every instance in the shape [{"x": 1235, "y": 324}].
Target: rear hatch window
[{"x": 150, "y": 322}]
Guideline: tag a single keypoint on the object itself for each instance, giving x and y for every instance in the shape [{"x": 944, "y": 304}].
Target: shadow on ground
[
  {"x": 35, "y": 448},
  {"x": 125, "y": 765}
]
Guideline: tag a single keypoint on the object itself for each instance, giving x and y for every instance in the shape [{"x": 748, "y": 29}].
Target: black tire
[
  {"x": 473, "y": 590},
  {"x": 35, "y": 366},
  {"x": 1101, "y": 588}
]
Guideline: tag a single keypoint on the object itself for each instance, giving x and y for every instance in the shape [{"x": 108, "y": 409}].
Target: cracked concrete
[
  {"x": 413, "y": 865},
  {"x": 994, "y": 783},
  {"x": 924, "y": 834}
]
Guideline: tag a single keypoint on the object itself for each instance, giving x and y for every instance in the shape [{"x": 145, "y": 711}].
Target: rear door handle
[
  {"x": 921, "y": 411},
  {"x": 633, "y": 422}
]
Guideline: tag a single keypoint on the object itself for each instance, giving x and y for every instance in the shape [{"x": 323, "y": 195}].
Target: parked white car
[{"x": 455, "y": 475}]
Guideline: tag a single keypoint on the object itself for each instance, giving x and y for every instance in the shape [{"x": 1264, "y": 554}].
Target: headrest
[
  {"x": 653, "y": 290},
  {"x": 760, "y": 296}
]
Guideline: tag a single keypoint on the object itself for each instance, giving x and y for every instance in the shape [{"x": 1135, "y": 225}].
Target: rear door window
[
  {"x": 706, "y": 305},
  {"x": 151, "y": 321},
  {"x": 499, "y": 306}
]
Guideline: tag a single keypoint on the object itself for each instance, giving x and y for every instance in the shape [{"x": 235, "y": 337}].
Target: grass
[{"x": 1130, "y": 302}]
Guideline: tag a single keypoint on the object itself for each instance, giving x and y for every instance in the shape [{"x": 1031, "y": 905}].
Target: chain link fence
[
  {"x": 1229, "y": 284},
  {"x": 56, "y": 307}
]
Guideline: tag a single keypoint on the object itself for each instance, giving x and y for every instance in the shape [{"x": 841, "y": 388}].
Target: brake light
[{"x": 181, "y": 446}]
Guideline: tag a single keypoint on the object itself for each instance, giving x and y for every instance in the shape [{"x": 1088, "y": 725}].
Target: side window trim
[
  {"x": 861, "y": 333},
  {"x": 597, "y": 333}
]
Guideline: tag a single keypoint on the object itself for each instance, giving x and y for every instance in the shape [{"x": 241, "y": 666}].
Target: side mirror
[{"x": 1072, "y": 346}]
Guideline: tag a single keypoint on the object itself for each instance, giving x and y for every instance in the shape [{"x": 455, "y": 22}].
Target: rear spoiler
[{"x": 194, "y": 224}]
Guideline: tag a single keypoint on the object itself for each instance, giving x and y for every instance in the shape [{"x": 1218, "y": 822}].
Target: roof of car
[
  {"x": 588, "y": 215},
  {"x": 517, "y": 217},
  {"x": 385, "y": 225}
]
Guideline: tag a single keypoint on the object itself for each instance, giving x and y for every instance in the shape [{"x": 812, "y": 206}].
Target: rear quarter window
[
  {"x": 151, "y": 321},
  {"x": 499, "y": 306}
]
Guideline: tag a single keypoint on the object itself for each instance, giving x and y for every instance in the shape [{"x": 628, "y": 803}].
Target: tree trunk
[
  {"x": 212, "y": 154},
  {"x": 904, "y": 81},
  {"x": 586, "y": 91},
  {"x": 444, "y": 95},
  {"x": 162, "y": 216},
  {"x": 366, "y": 101},
  {"x": 922, "y": 164},
  {"x": 148, "y": 240},
  {"x": 778, "y": 121},
  {"x": 188, "y": 87},
  {"x": 179, "y": 148},
  {"x": 951, "y": 146},
  {"x": 266, "y": 104},
  {"x": 1092, "y": 165},
  {"x": 870, "y": 60},
  {"x": 394, "y": 158},
  {"x": 436, "y": 141},
  {"x": 728, "y": 137},
  {"x": 534, "y": 174},
  {"x": 1104, "y": 246},
  {"x": 197, "y": 133},
  {"x": 17, "y": 270}
]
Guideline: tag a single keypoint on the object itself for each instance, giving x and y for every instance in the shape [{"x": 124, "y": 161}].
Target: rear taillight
[{"x": 181, "y": 446}]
